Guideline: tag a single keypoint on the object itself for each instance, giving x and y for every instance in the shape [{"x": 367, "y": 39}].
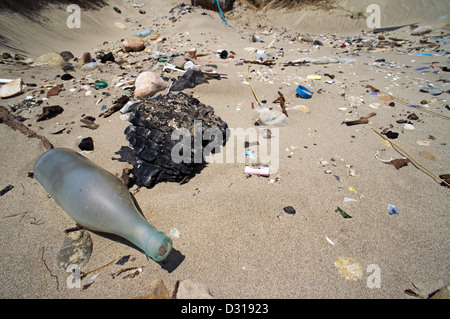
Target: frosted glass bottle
[{"x": 97, "y": 200}]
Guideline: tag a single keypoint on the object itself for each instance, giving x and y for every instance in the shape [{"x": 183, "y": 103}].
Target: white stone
[{"x": 148, "y": 84}]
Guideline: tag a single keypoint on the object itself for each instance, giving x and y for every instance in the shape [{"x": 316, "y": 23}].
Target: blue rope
[{"x": 220, "y": 11}]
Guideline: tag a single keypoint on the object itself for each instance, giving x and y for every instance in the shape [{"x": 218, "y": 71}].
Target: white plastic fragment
[
  {"x": 263, "y": 171},
  {"x": 329, "y": 240},
  {"x": 174, "y": 233}
]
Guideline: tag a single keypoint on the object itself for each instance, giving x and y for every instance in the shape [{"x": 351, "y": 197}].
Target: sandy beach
[{"x": 233, "y": 234}]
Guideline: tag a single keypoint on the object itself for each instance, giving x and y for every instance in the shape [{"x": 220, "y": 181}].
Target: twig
[
  {"x": 411, "y": 158},
  {"x": 114, "y": 275},
  {"x": 13, "y": 123},
  {"x": 405, "y": 102},
  {"x": 251, "y": 86},
  {"x": 48, "y": 269},
  {"x": 282, "y": 102},
  {"x": 84, "y": 274}
]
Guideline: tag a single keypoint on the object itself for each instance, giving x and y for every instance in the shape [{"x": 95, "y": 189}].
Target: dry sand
[{"x": 234, "y": 235}]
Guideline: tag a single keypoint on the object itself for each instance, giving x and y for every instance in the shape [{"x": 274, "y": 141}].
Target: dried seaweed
[{"x": 399, "y": 162}]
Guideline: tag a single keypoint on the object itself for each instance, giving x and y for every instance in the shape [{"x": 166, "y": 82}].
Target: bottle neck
[{"x": 156, "y": 244}]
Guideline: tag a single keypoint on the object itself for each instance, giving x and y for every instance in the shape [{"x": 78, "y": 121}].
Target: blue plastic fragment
[
  {"x": 392, "y": 209},
  {"x": 249, "y": 153}
]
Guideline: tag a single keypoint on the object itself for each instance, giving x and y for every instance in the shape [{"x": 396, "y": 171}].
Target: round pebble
[{"x": 289, "y": 210}]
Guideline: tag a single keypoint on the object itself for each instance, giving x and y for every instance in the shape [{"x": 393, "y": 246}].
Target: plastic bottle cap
[
  {"x": 101, "y": 84},
  {"x": 304, "y": 92}
]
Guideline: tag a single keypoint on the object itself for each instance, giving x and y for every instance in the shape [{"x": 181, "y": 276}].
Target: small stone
[
  {"x": 289, "y": 210},
  {"x": 192, "y": 290},
  {"x": 148, "y": 84},
  {"x": 133, "y": 44},
  {"x": 432, "y": 90},
  {"x": 423, "y": 143},
  {"x": 120, "y": 25},
  {"x": 157, "y": 290},
  {"x": 392, "y": 135},
  {"x": 85, "y": 59},
  {"x": 67, "y": 55},
  {"x": 66, "y": 77},
  {"x": 304, "y": 108},
  {"x": 52, "y": 58},
  {"x": 307, "y": 39},
  {"x": 422, "y": 30},
  {"x": 154, "y": 36},
  {"x": 86, "y": 144}
]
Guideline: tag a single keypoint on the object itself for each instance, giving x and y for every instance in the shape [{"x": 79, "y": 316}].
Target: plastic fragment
[
  {"x": 392, "y": 209},
  {"x": 329, "y": 240},
  {"x": 344, "y": 214}
]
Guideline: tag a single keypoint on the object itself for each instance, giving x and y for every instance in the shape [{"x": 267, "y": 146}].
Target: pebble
[
  {"x": 423, "y": 143},
  {"x": 157, "y": 290},
  {"x": 120, "y": 25},
  {"x": 148, "y": 84},
  {"x": 303, "y": 108},
  {"x": 289, "y": 210},
  {"x": 51, "y": 58},
  {"x": 134, "y": 44},
  {"x": 85, "y": 59},
  {"x": 86, "y": 144},
  {"x": 189, "y": 289}
]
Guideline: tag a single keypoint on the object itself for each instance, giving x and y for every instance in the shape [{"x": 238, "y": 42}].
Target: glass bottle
[{"x": 97, "y": 200}]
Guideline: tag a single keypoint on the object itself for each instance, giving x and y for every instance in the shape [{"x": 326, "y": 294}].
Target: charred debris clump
[{"x": 152, "y": 142}]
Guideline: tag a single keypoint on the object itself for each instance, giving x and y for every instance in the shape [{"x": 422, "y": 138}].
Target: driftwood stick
[{"x": 13, "y": 123}]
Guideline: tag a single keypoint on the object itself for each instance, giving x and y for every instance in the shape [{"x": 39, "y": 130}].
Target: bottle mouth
[{"x": 160, "y": 248}]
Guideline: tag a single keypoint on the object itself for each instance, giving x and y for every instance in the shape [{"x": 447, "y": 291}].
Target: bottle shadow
[{"x": 169, "y": 264}]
